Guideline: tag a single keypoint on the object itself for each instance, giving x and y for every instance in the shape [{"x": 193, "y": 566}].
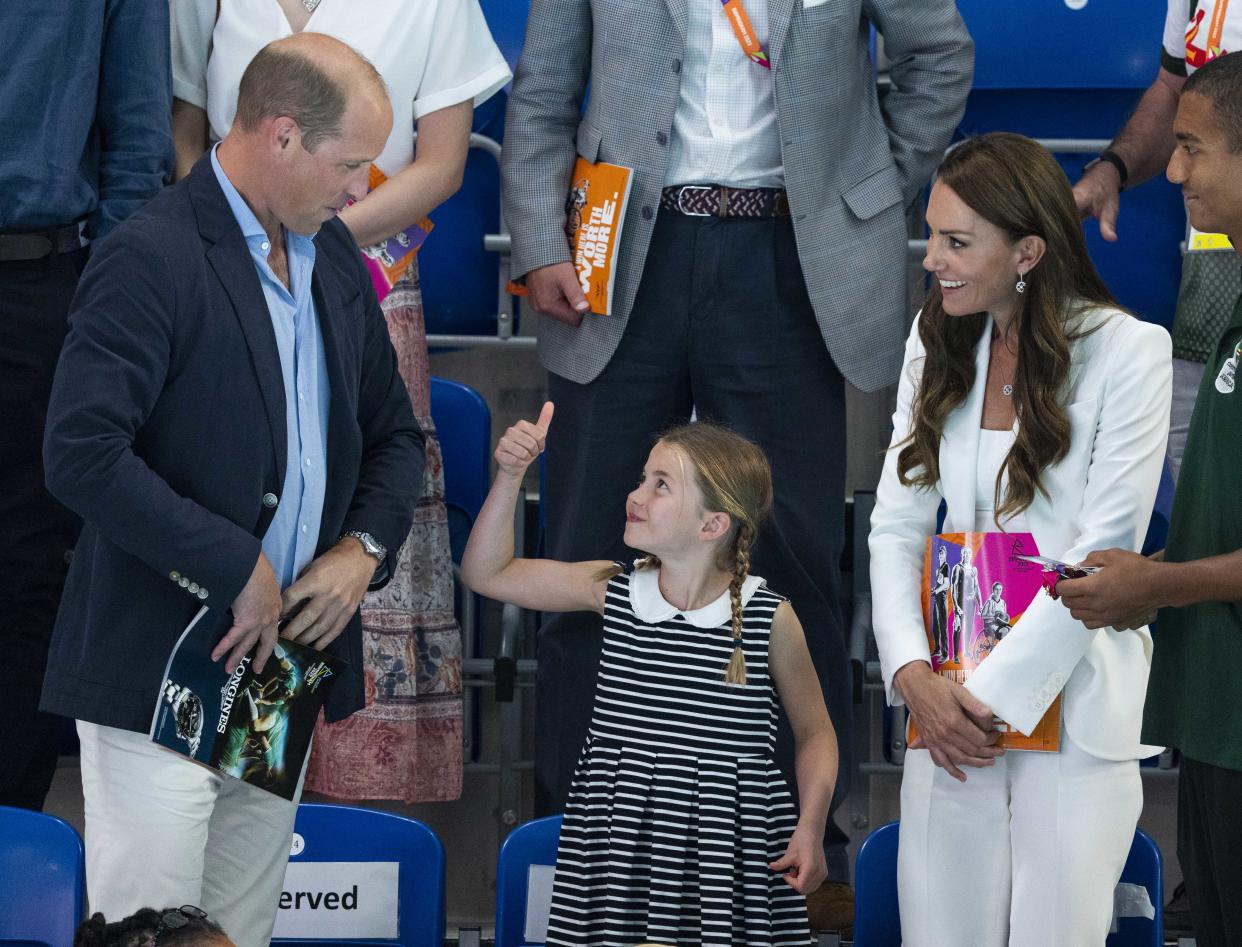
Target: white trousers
[
  {"x": 1025, "y": 853},
  {"x": 162, "y": 831}
]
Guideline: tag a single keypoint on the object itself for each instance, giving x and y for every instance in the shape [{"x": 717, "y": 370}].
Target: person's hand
[
  {"x": 522, "y": 444},
  {"x": 803, "y": 865},
  {"x": 954, "y": 726},
  {"x": 554, "y": 291},
  {"x": 319, "y": 605},
  {"x": 256, "y": 612},
  {"x": 1098, "y": 194},
  {"x": 1121, "y": 595}
]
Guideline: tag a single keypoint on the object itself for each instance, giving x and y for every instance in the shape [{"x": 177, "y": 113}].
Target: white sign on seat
[
  {"x": 341, "y": 900},
  {"x": 538, "y": 902}
]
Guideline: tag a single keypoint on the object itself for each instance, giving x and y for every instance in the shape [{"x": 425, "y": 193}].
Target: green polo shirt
[{"x": 1194, "y": 698}]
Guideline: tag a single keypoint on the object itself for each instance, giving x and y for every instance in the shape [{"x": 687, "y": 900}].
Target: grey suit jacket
[{"x": 852, "y": 163}]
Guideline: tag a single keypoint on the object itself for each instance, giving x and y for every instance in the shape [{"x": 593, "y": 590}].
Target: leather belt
[
  {"x": 38, "y": 244},
  {"x": 716, "y": 200}
]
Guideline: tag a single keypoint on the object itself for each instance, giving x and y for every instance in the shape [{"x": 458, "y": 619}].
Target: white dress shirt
[{"x": 724, "y": 129}]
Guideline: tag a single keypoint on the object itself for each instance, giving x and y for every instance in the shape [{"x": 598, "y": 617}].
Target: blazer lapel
[
  {"x": 328, "y": 311},
  {"x": 229, "y": 258},
  {"x": 959, "y": 445},
  {"x": 680, "y": 12},
  {"x": 779, "y": 14}
]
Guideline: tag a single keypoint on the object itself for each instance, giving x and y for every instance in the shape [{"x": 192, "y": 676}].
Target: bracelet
[{"x": 1115, "y": 160}]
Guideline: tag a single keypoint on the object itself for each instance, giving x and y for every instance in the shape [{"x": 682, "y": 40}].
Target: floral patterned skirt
[{"x": 407, "y": 743}]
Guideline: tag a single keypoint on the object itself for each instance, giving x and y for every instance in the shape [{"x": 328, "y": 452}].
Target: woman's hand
[
  {"x": 522, "y": 444},
  {"x": 953, "y": 725},
  {"x": 803, "y": 866}
]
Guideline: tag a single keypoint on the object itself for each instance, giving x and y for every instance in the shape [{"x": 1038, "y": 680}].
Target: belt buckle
[{"x": 696, "y": 187}]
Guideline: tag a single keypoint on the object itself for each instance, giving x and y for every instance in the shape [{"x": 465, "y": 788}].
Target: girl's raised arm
[{"x": 488, "y": 565}]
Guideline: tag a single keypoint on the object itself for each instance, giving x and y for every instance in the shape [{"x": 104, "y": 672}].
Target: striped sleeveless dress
[{"x": 677, "y": 807}]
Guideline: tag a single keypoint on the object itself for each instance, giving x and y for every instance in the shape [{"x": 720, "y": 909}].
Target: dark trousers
[
  {"x": 36, "y": 532},
  {"x": 721, "y": 325},
  {"x": 1209, "y": 847}
]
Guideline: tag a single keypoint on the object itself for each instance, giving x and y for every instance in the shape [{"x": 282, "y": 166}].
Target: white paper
[{"x": 349, "y": 900}]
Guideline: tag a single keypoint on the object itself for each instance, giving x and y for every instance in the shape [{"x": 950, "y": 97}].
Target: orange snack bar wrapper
[{"x": 976, "y": 586}]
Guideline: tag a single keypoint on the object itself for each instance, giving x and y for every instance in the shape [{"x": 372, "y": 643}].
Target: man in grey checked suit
[{"x": 746, "y": 296}]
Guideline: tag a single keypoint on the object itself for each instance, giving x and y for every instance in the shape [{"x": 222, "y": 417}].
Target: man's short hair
[
  {"x": 280, "y": 82},
  {"x": 1220, "y": 82}
]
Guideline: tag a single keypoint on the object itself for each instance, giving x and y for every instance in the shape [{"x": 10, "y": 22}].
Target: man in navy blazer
[{"x": 229, "y": 421}]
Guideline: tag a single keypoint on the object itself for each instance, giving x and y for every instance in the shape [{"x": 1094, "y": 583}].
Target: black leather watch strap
[{"x": 1123, "y": 173}]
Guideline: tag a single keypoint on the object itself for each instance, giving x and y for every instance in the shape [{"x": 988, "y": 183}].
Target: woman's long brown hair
[{"x": 1015, "y": 184}]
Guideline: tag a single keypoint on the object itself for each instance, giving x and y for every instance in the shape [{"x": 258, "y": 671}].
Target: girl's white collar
[{"x": 651, "y": 607}]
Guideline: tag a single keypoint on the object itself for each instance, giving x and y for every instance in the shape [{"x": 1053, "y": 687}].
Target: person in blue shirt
[
  {"x": 228, "y": 419},
  {"x": 84, "y": 102}
]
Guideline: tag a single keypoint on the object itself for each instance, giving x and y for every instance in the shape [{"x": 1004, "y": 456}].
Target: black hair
[
  {"x": 1220, "y": 82},
  {"x": 141, "y": 927}
]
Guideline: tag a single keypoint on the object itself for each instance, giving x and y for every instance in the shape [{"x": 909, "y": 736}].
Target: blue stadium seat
[
  {"x": 44, "y": 879},
  {"x": 507, "y": 21},
  {"x": 347, "y": 834},
  {"x": 1079, "y": 74},
  {"x": 459, "y": 278},
  {"x": 877, "y": 922},
  {"x": 464, "y": 426},
  {"x": 533, "y": 843}
]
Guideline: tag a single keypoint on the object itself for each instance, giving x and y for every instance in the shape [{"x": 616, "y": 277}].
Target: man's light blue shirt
[{"x": 290, "y": 541}]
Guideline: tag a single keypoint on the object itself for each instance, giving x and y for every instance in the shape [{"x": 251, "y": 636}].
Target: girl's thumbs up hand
[{"x": 523, "y": 443}]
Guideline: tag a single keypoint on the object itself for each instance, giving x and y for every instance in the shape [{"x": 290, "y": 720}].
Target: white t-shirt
[
  {"x": 1197, "y": 31},
  {"x": 431, "y": 53}
]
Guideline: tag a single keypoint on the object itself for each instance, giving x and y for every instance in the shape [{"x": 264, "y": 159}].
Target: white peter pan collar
[{"x": 651, "y": 607}]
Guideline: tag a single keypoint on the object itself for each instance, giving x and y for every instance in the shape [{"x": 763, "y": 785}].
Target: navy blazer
[{"x": 166, "y": 431}]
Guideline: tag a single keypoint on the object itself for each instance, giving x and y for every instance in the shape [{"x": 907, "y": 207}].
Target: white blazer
[{"x": 1099, "y": 496}]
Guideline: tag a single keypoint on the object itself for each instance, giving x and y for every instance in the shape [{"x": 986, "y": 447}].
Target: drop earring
[{"x": 1020, "y": 286}]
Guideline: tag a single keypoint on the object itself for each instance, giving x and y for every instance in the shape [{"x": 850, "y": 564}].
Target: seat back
[
  {"x": 877, "y": 921},
  {"x": 334, "y": 847},
  {"x": 507, "y": 21},
  {"x": 44, "y": 879},
  {"x": 1144, "y": 867},
  {"x": 533, "y": 843},
  {"x": 464, "y": 425},
  {"x": 459, "y": 278}
]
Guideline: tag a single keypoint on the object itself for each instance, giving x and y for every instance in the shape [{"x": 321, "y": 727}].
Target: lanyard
[{"x": 745, "y": 33}]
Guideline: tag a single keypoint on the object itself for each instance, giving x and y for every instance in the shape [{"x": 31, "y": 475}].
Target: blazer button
[
  {"x": 270, "y": 500},
  {"x": 193, "y": 588},
  {"x": 174, "y": 575},
  {"x": 202, "y": 594},
  {"x": 183, "y": 582}
]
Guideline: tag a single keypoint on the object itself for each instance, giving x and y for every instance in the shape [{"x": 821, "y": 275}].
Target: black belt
[
  {"x": 716, "y": 200},
  {"x": 38, "y": 244}
]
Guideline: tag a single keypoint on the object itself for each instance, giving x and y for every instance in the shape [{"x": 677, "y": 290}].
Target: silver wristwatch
[{"x": 370, "y": 545}]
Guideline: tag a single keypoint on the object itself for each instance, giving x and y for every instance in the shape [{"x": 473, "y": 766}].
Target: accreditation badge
[{"x": 1226, "y": 378}]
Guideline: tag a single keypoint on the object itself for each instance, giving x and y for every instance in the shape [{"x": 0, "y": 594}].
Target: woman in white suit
[{"x": 1028, "y": 401}]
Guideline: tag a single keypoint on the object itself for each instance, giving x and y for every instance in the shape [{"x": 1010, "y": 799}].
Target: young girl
[{"x": 679, "y": 828}]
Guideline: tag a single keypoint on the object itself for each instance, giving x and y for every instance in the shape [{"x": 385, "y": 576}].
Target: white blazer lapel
[{"x": 959, "y": 445}]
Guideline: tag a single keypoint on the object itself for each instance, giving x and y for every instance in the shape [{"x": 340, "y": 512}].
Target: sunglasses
[{"x": 177, "y": 918}]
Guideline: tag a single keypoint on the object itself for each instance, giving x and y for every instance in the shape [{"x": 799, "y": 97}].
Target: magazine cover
[
  {"x": 387, "y": 261},
  {"x": 255, "y": 727},
  {"x": 976, "y": 587}
]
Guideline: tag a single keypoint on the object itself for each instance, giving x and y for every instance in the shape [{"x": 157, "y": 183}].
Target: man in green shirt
[{"x": 1194, "y": 696}]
